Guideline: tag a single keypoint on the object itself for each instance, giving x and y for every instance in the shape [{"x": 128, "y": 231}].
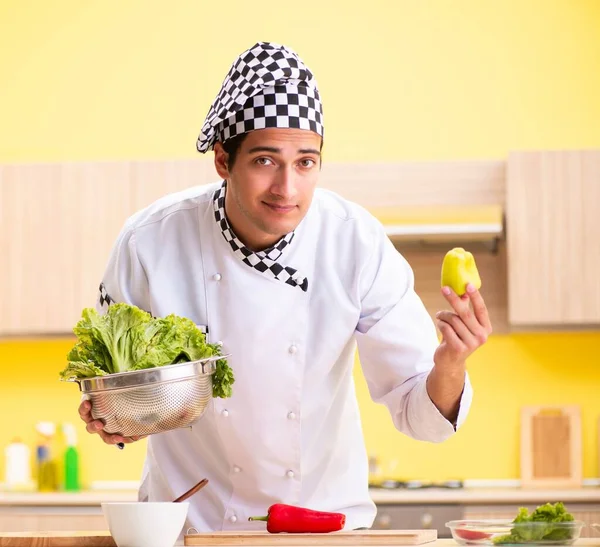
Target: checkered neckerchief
[{"x": 263, "y": 261}]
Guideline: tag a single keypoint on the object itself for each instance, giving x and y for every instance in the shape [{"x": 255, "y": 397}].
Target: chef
[{"x": 291, "y": 280}]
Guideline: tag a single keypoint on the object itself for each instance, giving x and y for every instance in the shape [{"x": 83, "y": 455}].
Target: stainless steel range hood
[{"x": 442, "y": 223}]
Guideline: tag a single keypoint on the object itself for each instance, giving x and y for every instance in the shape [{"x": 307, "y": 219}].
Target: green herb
[
  {"x": 127, "y": 338},
  {"x": 539, "y": 525}
]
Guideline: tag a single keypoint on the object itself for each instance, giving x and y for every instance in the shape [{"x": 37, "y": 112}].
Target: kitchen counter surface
[
  {"x": 379, "y": 496},
  {"x": 584, "y": 542}
]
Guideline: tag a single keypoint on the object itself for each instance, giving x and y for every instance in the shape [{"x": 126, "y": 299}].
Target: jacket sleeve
[
  {"x": 124, "y": 278},
  {"x": 396, "y": 341}
]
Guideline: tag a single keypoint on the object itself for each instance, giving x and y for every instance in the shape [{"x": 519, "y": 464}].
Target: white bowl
[{"x": 145, "y": 524}]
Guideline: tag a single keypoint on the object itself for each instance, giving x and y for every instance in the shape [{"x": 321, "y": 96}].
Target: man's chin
[{"x": 280, "y": 229}]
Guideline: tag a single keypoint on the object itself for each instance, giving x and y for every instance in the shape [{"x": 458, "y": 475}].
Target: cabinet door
[
  {"x": 58, "y": 223},
  {"x": 553, "y": 237},
  {"x": 417, "y": 517}
]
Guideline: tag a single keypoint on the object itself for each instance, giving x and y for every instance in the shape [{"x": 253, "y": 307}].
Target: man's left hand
[{"x": 464, "y": 329}]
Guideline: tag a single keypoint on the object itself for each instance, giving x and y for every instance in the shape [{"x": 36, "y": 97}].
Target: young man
[{"x": 289, "y": 278}]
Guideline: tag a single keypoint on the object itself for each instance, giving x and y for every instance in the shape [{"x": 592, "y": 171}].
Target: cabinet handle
[{"x": 426, "y": 520}]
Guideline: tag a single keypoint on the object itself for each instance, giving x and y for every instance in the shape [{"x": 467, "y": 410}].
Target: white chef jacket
[{"x": 291, "y": 431}]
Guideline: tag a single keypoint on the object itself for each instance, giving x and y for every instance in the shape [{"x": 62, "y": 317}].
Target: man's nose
[{"x": 284, "y": 184}]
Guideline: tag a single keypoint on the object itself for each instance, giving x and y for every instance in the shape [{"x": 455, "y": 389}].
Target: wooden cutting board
[
  {"x": 56, "y": 539},
  {"x": 551, "y": 447},
  {"x": 356, "y": 537}
]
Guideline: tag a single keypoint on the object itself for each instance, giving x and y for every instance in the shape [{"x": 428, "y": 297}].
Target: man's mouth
[{"x": 279, "y": 208}]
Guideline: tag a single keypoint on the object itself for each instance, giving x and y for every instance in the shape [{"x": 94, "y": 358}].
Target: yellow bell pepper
[{"x": 458, "y": 270}]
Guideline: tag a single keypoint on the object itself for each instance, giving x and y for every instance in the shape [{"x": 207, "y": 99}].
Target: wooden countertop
[
  {"x": 380, "y": 496},
  {"x": 584, "y": 542}
]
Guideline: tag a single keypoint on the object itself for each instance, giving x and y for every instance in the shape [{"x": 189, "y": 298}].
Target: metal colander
[{"x": 144, "y": 402}]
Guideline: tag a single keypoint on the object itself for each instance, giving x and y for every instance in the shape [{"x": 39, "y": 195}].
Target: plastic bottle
[
  {"x": 18, "y": 466},
  {"x": 46, "y": 466},
  {"x": 71, "y": 459},
  {"x": 374, "y": 470}
]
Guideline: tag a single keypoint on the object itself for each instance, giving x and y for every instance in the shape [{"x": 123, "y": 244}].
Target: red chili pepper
[{"x": 299, "y": 520}]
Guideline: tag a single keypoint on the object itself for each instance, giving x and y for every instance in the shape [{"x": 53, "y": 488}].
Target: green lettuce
[
  {"x": 539, "y": 525},
  {"x": 127, "y": 338}
]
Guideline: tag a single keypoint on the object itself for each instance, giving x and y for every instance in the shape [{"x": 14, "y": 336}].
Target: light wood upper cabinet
[
  {"x": 553, "y": 238},
  {"x": 58, "y": 223}
]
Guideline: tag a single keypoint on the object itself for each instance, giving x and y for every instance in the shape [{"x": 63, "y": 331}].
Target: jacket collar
[{"x": 267, "y": 261}]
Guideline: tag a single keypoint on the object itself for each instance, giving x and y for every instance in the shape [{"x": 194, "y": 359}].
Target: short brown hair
[{"x": 232, "y": 147}]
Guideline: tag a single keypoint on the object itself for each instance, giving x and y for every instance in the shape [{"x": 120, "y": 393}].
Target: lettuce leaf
[
  {"x": 127, "y": 338},
  {"x": 81, "y": 369},
  {"x": 111, "y": 340},
  {"x": 537, "y": 526},
  {"x": 222, "y": 379}
]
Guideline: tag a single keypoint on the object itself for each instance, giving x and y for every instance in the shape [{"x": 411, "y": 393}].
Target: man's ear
[{"x": 221, "y": 158}]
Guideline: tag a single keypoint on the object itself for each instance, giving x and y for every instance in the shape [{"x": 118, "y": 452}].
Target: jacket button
[
  {"x": 292, "y": 349},
  {"x": 217, "y": 277},
  {"x": 291, "y": 416},
  {"x": 290, "y": 474},
  {"x": 232, "y": 518},
  {"x": 236, "y": 469},
  {"x": 225, "y": 413}
]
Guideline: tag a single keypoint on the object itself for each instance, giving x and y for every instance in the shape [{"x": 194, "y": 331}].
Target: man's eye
[
  {"x": 307, "y": 162},
  {"x": 262, "y": 161}
]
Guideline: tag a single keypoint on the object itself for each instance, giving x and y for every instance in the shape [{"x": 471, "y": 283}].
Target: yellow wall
[
  {"x": 507, "y": 373},
  {"x": 400, "y": 80}
]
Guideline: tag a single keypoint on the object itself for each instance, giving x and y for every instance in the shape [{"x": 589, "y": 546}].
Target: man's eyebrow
[
  {"x": 264, "y": 149},
  {"x": 275, "y": 150}
]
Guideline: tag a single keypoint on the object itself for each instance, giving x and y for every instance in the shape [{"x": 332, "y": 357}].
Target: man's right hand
[{"x": 96, "y": 426}]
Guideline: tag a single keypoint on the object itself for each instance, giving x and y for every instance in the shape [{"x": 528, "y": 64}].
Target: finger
[
  {"x": 458, "y": 303},
  {"x": 479, "y": 308},
  {"x": 94, "y": 426},
  {"x": 85, "y": 411},
  {"x": 451, "y": 337},
  {"x": 113, "y": 439},
  {"x": 461, "y": 306},
  {"x": 128, "y": 440},
  {"x": 466, "y": 336}
]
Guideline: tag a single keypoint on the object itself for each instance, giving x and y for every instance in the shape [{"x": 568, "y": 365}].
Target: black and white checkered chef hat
[{"x": 267, "y": 86}]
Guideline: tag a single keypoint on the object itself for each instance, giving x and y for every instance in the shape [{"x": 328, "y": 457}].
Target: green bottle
[{"x": 71, "y": 460}]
